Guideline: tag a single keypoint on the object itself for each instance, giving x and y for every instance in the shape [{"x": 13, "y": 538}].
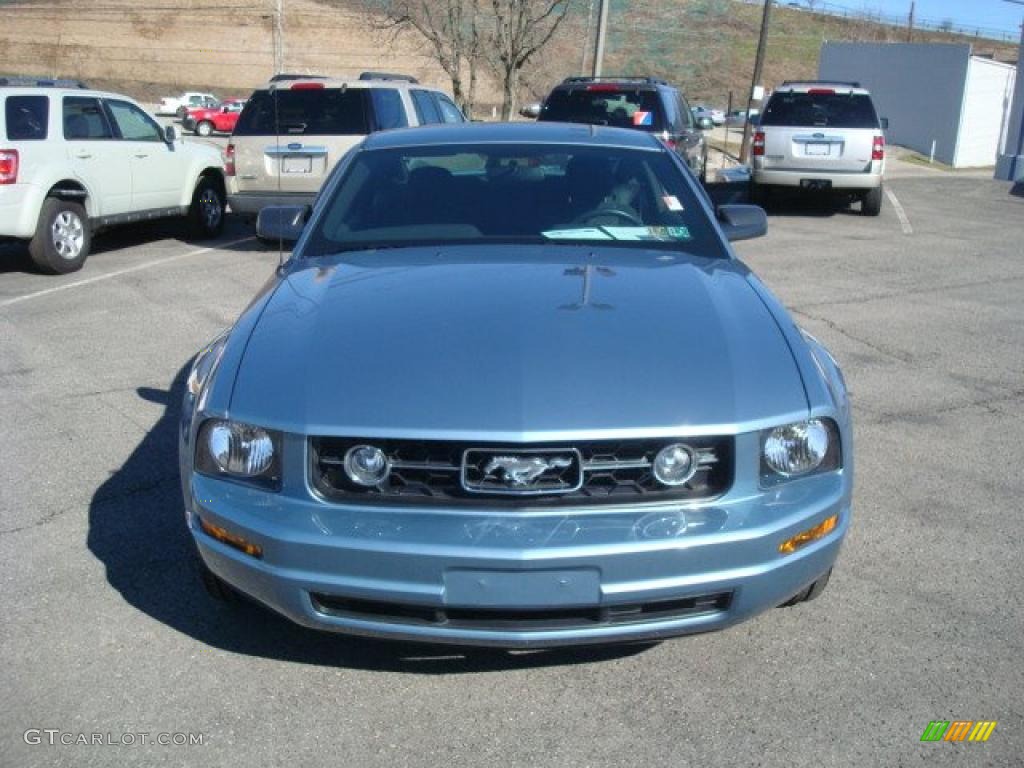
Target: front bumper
[{"x": 414, "y": 566}]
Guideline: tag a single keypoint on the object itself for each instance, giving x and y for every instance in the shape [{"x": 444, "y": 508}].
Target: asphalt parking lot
[{"x": 107, "y": 631}]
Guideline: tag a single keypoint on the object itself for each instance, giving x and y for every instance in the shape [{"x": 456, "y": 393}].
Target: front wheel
[
  {"x": 204, "y": 128},
  {"x": 206, "y": 214},
  {"x": 871, "y": 203},
  {"x": 63, "y": 237}
]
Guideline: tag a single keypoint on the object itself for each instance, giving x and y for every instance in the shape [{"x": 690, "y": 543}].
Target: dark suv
[{"x": 642, "y": 103}]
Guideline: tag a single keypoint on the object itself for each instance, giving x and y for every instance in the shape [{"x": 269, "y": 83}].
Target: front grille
[
  {"x": 601, "y": 472},
  {"x": 516, "y": 619}
]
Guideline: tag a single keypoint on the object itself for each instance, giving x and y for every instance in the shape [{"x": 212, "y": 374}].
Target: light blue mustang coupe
[{"x": 513, "y": 388}]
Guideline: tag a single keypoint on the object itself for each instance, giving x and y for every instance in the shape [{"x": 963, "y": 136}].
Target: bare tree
[
  {"x": 454, "y": 32},
  {"x": 521, "y": 29}
]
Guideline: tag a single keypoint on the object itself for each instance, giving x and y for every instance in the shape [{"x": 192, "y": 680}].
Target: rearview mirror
[
  {"x": 281, "y": 222},
  {"x": 742, "y": 222},
  {"x": 170, "y": 134},
  {"x": 531, "y": 111}
]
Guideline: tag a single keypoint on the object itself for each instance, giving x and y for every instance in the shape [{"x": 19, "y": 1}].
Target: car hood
[{"x": 516, "y": 343}]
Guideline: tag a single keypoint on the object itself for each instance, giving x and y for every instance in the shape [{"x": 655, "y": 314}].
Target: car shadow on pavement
[
  {"x": 137, "y": 530},
  {"x": 1017, "y": 190}
]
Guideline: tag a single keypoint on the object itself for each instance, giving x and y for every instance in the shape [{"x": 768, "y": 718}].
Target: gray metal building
[{"x": 938, "y": 97}]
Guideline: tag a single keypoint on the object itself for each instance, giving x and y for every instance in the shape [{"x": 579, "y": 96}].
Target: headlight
[
  {"x": 239, "y": 450},
  {"x": 799, "y": 449}
]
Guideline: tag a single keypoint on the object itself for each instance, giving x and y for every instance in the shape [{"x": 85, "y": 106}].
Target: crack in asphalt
[
  {"x": 903, "y": 357},
  {"x": 863, "y": 299},
  {"x": 126, "y": 493}
]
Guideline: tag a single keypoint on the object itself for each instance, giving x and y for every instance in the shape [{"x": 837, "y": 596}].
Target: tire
[
  {"x": 810, "y": 593},
  {"x": 63, "y": 237},
  {"x": 214, "y": 585},
  {"x": 871, "y": 203},
  {"x": 204, "y": 128},
  {"x": 206, "y": 213}
]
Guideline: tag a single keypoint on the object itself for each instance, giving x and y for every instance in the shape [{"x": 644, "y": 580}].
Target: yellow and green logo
[{"x": 958, "y": 730}]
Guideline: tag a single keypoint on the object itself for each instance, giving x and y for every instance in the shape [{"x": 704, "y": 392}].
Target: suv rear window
[
  {"x": 821, "y": 110},
  {"x": 600, "y": 104},
  {"x": 302, "y": 112},
  {"x": 27, "y": 117}
]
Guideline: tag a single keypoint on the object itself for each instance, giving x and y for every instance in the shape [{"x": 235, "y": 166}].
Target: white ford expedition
[
  {"x": 74, "y": 161},
  {"x": 824, "y": 137}
]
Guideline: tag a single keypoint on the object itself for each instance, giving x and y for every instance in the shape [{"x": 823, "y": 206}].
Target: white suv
[
  {"x": 73, "y": 161},
  {"x": 820, "y": 136},
  {"x": 294, "y": 130}
]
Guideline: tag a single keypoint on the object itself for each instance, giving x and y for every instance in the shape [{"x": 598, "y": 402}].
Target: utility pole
[
  {"x": 279, "y": 38},
  {"x": 762, "y": 45},
  {"x": 602, "y": 28},
  {"x": 910, "y": 24},
  {"x": 586, "y": 37}
]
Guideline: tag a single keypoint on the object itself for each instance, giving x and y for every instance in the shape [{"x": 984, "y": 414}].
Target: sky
[{"x": 994, "y": 14}]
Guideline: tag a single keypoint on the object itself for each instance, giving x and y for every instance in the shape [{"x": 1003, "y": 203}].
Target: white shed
[{"x": 934, "y": 94}]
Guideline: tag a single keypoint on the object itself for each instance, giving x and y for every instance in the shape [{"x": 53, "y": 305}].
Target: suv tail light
[
  {"x": 8, "y": 166},
  {"x": 878, "y": 148},
  {"x": 229, "y": 160},
  {"x": 307, "y": 87},
  {"x": 758, "y": 146}
]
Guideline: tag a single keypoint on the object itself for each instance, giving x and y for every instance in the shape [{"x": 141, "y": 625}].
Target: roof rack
[
  {"x": 387, "y": 76},
  {"x": 615, "y": 79},
  {"x": 42, "y": 82},
  {"x": 851, "y": 83},
  {"x": 281, "y": 76}
]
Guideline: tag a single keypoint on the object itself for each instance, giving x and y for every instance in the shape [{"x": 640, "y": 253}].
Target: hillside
[{"x": 148, "y": 51}]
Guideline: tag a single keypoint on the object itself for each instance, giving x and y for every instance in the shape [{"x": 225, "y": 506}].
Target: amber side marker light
[
  {"x": 231, "y": 539},
  {"x": 824, "y": 528}
]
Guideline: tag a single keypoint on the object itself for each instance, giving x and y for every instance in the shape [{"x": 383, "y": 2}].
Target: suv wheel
[
  {"x": 62, "y": 240},
  {"x": 871, "y": 203},
  {"x": 206, "y": 214},
  {"x": 204, "y": 128}
]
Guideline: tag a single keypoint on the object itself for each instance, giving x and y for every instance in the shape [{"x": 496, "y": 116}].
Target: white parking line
[
  {"x": 900, "y": 213},
  {"x": 119, "y": 272}
]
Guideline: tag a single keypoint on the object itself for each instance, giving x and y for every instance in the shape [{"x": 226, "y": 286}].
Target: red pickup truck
[{"x": 205, "y": 120}]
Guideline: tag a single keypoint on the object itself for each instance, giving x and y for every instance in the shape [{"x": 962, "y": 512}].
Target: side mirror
[
  {"x": 885, "y": 123},
  {"x": 742, "y": 222},
  {"x": 282, "y": 222},
  {"x": 170, "y": 135},
  {"x": 531, "y": 111},
  {"x": 705, "y": 123}
]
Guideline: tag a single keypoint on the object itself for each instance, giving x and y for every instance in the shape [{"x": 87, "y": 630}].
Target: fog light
[
  {"x": 675, "y": 464},
  {"x": 822, "y": 529},
  {"x": 231, "y": 539},
  {"x": 366, "y": 465}
]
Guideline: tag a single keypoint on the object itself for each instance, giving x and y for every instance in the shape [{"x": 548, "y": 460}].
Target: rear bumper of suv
[
  {"x": 251, "y": 203},
  {"x": 19, "y": 210},
  {"x": 835, "y": 179}
]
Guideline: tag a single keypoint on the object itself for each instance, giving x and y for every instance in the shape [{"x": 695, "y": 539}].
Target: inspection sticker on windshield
[
  {"x": 643, "y": 118},
  {"x": 648, "y": 233},
  {"x": 672, "y": 202}
]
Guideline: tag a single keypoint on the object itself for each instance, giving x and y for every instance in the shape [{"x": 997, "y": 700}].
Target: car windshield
[
  {"x": 506, "y": 193},
  {"x": 602, "y": 104},
  {"x": 824, "y": 109}
]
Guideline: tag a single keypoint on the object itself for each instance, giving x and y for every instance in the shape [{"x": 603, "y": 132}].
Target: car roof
[
  {"x": 803, "y": 86},
  {"x": 22, "y": 90},
  {"x": 513, "y": 133},
  {"x": 344, "y": 82}
]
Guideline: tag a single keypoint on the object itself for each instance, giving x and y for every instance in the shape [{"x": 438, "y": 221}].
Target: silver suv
[
  {"x": 820, "y": 136},
  {"x": 293, "y": 131},
  {"x": 73, "y": 161}
]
